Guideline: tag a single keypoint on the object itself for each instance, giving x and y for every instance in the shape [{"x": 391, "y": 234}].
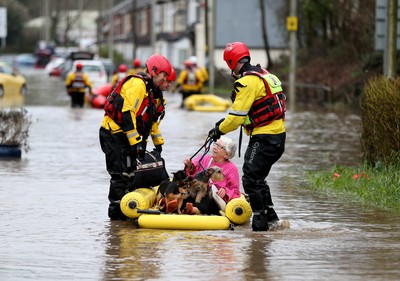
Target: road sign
[{"x": 3, "y": 22}]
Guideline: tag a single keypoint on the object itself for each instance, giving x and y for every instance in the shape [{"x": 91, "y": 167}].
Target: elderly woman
[{"x": 223, "y": 150}]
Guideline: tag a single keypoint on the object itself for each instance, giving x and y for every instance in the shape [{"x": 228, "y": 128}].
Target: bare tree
[{"x": 264, "y": 33}]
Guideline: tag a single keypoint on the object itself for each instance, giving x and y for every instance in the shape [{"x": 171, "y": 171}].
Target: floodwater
[{"x": 54, "y": 223}]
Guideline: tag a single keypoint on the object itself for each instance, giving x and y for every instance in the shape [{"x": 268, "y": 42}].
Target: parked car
[
  {"x": 24, "y": 60},
  {"x": 94, "y": 69},
  {"x": 11, "y": 81},
  {"x": 73, "y": 56},
  {"x": 110, "y": 68},
  {"x": 57, "y": 71}
]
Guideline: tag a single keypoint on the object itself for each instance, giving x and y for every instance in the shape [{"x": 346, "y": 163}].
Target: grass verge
[{"x": 377, "y": 186}]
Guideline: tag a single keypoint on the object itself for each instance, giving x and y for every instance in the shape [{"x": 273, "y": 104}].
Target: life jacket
[
  {"x": 78, "y": 83},
  {"x": 270, "y": 107},
  {"x": 149, "y": 112}
]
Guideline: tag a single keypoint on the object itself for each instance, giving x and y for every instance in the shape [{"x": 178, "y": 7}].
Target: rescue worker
[
  {"x": 136, "y": 67},
  {"x": 258, "y": 106},
  {"x": 190, "y": 81},
  {"x": 132, "y": 114},
  {"x": 122, "y": 72},
  {"x": 203, "y": 70},
  {"x": 77, "y": 83}
]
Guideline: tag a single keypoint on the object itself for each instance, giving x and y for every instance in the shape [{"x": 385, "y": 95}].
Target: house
[{"x": 181, "y": 28}]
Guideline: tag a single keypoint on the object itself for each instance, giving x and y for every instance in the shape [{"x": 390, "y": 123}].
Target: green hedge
[{"x": 380, "y": 113}]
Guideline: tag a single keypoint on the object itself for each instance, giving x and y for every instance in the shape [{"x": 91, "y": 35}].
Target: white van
[{"x": 95, "y": 70}]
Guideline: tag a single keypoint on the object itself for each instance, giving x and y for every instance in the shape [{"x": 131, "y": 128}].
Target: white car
[{"x": 95, "y": 70}]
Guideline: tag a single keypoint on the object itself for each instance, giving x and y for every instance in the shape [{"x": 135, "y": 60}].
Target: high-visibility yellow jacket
[
  {"x": 248, "y": 89},
  {"x": 133, "y": 92},
  {"x": 77, "y": 81}
]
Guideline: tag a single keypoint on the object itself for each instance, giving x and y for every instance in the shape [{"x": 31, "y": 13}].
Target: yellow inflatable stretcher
[
  {"x": 139, "y": 204},
  {"x": 207, "y": 103}
]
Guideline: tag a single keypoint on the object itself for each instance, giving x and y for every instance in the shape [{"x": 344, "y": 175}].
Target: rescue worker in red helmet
[
  {"x": 190, "y": 81},
  {"x": 122, "y": 72},
  {"x": 258, "y": 106},
  {"x": 77, "y": 83},
  {"x": 132, "y": 114},
  {"x": 136, "y": 67}
]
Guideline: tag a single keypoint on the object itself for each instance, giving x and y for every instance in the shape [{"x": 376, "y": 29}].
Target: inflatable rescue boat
[
  {"x": 139, "y": 204},
  {"x": 206, "y": 103}
]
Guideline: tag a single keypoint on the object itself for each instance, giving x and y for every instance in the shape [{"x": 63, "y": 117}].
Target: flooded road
[{"x": 54, "y": 223}]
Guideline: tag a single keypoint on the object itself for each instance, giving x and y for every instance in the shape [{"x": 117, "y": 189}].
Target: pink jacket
[{"x": 230, "y": 183}]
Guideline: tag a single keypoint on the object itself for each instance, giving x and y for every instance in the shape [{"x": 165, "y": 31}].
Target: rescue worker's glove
[
  {"x": 130, "y": 164},
  {"x": 158, "y": 148},
  {"x": 141, "y": 151},
  {"x": 215, "y": 133}
]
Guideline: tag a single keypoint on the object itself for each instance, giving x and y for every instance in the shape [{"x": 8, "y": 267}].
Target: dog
[
  {"x": 199, "y": 186},
  {"x": 171, "y": 193}
]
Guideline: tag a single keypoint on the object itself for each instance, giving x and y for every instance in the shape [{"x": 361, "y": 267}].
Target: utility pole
[
  {"x": 211, "y": 45},
  {"x": 111, "y": 31},
  {"x": 391, "y": 39},
  {"x": 291, "y": 26}
]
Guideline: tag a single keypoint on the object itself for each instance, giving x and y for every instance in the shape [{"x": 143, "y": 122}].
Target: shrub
[
  {"x": 380, "y": 114},
  {"x": 14, "y": 127}
]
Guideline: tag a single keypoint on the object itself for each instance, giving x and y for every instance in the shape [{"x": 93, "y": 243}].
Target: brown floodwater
[{"x": 54, "y": 223}]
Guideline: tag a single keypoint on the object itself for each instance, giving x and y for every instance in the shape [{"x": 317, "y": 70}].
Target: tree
[{"x": 264, "y": 33}]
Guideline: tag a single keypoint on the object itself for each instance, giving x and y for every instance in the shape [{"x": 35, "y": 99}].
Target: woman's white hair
[{"x": 230, "y": 146}]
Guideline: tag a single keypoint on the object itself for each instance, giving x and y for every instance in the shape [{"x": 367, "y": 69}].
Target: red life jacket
[
  {"x": 267, "y": 109},
  {"x": 149, "y": 112}
]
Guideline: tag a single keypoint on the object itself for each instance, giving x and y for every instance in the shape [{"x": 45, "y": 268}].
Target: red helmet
[
  {"x": 122, "y": 68},
  {"x": 187, "y": 63},
  {"x": 79, "y": 66},
  {"x": 158, "y": 63},
  {"x": 234, "y": 52},
  {"x": 172, "y": 76},
  {"x": 136, "y": 63}
]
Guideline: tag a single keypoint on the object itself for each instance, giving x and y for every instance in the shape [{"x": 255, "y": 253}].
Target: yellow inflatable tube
[
  {"x": 141, "y": 198},
  {"x": 184, "y": 222},
  {"x": 207, "y": 103}
]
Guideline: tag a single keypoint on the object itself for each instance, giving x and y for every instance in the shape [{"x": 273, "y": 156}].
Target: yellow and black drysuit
[
  {"x": 190, "y": 81},
  {"x": 76, "y": 83},
  {"x": 133, "y": 111},
  {"x": 258, "y": 106}
]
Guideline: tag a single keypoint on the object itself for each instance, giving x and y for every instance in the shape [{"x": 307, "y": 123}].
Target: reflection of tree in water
[{"x": 256, "y": 264}]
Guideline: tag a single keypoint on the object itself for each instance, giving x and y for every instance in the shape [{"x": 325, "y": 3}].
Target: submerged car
[{"x": 11, "y": 81}]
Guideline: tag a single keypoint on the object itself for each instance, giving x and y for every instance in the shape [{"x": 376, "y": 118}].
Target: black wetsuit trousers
[
  {"x": 114, "y": 147},
  {"x": 262, "y": 152}
]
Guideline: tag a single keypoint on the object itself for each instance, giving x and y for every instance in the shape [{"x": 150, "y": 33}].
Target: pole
[
  {"x": 391, "y": 39},
  {"x": 292, "y": 72},
  {"x": 211, "y": 45},
  {"x": 153, "y": 25},
  {"x": 111, "y": 31}
]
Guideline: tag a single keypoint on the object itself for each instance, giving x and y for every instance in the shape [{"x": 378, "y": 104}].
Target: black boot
[{"x": 260, "y": 222}]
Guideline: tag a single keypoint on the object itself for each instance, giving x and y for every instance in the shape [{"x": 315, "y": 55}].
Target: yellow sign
[{"x": 291, "y": 23}]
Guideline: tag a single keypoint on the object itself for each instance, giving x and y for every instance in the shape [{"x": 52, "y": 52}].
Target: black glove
[
  {"x": 215, "y": 133},
  {"x": 158, "y": 148},
  {"x": 141, "y": 151},
  {"x": 130, "y": 165}
]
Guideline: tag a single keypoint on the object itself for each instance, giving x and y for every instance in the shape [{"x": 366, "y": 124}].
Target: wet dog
[
  {"x": 170, "y": 193},
  {"x": 199, "y": 186}
]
